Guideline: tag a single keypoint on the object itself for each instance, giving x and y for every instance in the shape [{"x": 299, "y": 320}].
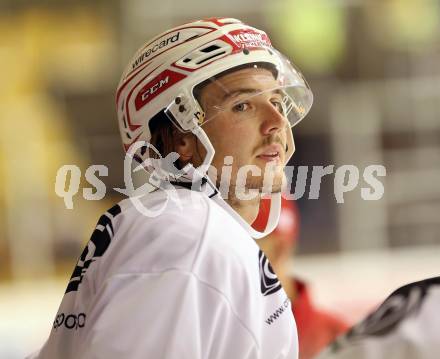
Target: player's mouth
[{"x": 271, "y": 153}]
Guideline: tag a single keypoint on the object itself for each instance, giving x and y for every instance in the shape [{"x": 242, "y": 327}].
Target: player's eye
[
  {"x": 240, "y": 107},
  {"x": 279, "y": 105}
]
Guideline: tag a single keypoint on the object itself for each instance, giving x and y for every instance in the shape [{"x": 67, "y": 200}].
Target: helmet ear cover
[{"x": 164, "y": 133}]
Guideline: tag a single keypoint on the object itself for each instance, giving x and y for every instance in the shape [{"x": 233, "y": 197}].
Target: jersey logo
[
  {"x": 269, "y": 281},
  {"x": 96, "y": 247}
]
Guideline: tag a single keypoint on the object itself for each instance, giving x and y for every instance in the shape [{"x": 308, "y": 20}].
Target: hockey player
[
  {"x": 207, "y": 109},
  {"x": 405, "y": 326}
]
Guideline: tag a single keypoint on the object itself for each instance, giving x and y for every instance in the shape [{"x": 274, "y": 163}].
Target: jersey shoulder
[{"x": 159, "y": 231}]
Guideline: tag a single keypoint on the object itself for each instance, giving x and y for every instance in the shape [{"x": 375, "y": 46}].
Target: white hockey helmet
[{"x": 162, "y": 75}]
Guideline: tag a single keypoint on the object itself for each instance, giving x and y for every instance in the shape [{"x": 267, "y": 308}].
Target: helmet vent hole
[
  {"x": 210, "y": 48},
  {"x": 204, "y": 54}
]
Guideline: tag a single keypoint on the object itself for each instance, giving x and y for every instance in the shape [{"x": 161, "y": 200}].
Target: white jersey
[
  {"x": 188, "y": 283},
  {"x": 405, "y": 326}
]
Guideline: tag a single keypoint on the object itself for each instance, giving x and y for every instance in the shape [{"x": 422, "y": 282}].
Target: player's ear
[{"x": 185, "y": 146}]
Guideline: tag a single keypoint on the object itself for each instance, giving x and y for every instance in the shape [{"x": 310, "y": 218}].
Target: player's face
[{"x": 244, "y": 120}]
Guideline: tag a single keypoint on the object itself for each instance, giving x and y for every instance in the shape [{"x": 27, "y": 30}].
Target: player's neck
[{"x": 247, "y": 209}]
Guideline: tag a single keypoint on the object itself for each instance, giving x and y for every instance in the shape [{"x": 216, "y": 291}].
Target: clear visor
[{"x": 260, "y": 90}]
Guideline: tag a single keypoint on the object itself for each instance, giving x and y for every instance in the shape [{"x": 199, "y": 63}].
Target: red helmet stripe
[{"x": 130, "y": 125}]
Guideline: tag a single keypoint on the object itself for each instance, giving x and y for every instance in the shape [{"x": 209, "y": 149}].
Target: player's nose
[{"x": 272, "y": 120}]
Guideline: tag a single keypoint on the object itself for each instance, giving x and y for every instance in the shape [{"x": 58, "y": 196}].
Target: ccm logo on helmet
[
  {"x": 156, "y": 87},
  {"x": 153, "y": 48}
]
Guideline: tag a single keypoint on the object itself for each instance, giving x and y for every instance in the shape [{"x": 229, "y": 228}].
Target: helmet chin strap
[
  {"x": 275, "y": 198},
  {"x": 202, "y": 171},
  {"x": 274, "y": 216}
]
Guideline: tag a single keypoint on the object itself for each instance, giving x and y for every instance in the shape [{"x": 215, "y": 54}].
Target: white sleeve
[
  {"x": 165, "y": 315},
  {"x": 405, "y": 326}
]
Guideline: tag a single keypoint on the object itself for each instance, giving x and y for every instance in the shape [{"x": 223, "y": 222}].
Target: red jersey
[{"x": 316, "y": 328}]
